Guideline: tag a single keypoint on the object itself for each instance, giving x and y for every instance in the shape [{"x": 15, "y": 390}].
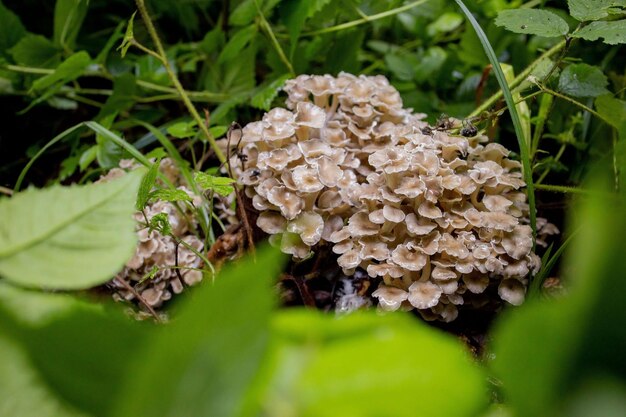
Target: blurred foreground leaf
[
  {"x": 203, "y": 363},
  {"x": 367, "y": 365},
  {"x": 68, "y": 237}
]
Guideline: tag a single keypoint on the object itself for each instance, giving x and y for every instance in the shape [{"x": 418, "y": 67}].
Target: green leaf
[
  {"x": 169, "y": 195},
  {"x": 265, "y": 96},
  {"x": 243, "y": 14},
  {"x": 68, "y": 237},
  {"x": 11, "y": 29},
  {"x": 205, "y": 361},
  {"x": 583, "y": 80},
  {"x": 238, "y": 42},
  {"x": 612, "y": 110},
  {"x": 532, "y": 22},
  {"x": 295, "y": 12},
  {"x": 584, "y": 10},
  {"x": 145, "y": 187},
  {"x": 182, "y": 130},
  {"x": 123, "y": 97},
  {"x": 343, "y": 54},
  {"x": 161, "y": 223},
  {"x": 36, "y": 51},
  {"x": 129, "y": 36},
  {"x": 613, "y": 32},
  {"x": 447, "y": 22},
  {"x": 220, "y": 185},
  {"x": 68, "y": 18},
  {"x": 81, "y": 366},
  {"x": 363, "y": 364}
]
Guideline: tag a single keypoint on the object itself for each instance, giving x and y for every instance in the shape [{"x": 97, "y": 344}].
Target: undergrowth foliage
[{"x": 109, "y": 81}]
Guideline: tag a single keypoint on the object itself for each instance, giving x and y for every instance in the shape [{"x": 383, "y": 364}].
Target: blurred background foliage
[{"x": 228, "y": 350}]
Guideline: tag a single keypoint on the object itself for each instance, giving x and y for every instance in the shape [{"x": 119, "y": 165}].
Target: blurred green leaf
[
  {"x": 447, "y": 22},
  {"x": 343, "y": 54},
  {"x": 68, "y": 237},
  {"x": 583, "y": 80},
  {"x": 221, "y": 185},
  {"x": 203, "y": 363},
  {"x": 243, "y": 14},
  {"x": 36, "y": 51},
  {"x": 70, "y": 69},
  {"x": 238, "y": 42},
  {"x": 11, "y": 29},
  {"x": 295, "y": 12},
  {"x": 68, "y": 18},
  {"x": 532, "y": 22},
  {"x": 612, "y": 109},
  {"x": 613, "y": 32},
  {"x": 82, "y": 351},
  {"x": 430, "y": 63},
  {"x": 182, "y": 130},
  {"x": 362, "y": 365}
]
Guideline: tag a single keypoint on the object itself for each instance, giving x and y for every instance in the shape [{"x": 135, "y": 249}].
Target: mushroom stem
[{"x": 426, "y": 271}]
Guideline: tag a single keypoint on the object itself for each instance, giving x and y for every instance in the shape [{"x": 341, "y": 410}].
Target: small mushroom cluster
[
  {"x": 160, "y": 267},
  {"x": 438, "y": 217}
]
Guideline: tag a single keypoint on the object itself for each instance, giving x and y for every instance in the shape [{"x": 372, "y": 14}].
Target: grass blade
[{"x": 508, "y": 97}]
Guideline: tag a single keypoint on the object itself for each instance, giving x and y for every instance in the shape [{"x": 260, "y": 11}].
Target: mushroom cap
[
  {"x": 309, "y": 115},
  {"x": 423, "y": 295},
  {"x": 309, "y": 226},
  {"x": 512, "y": 291}
]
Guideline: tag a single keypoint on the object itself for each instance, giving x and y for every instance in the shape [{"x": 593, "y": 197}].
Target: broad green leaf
[
  {"x": 11, "y": 29},
  {"x": 583, "y": 80},
  {"x": 238, "y": 42},
  {"x": 108, "y": 152},
  {"x": 68, "y": 18},
  {"x": 584, "y": 10},
  {"x": 367, "y": 365},
  {"x": 81, "y": 351},
  {"x": 70, "y": 69},
  {"x": 23, "y": 391},
  {"x": 430, "y": 63},
  {"x": 343, "y": 54},
  {"x": 36, "y": 51},
  {"x": 220, "y": 185},
  {"x": 265, "y": 96},
  {"x": 532, "y": 22},
  {"x": 447, "y": 22},
  {"x": 612, "y": 109},
  {"x": 147, "y": 182},
  {"x": 243, "y": 14},
  {"x": 129, "y": 35},
  {"x": 203, "y": 363},
  {"x": 168, "y": 195},
  {"x": 613, "y": 32},
  {"x": 295, "y": 12},
  {"x": 68, "y": 237}
]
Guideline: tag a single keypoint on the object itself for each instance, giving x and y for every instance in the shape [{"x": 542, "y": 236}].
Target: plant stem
[
  {"x": 366, "y": 19},
  {"x": 574, "y": 102},
  {"x": 177, "y": 85},
  {"x": 519, "y": 79},
  {"x": 561, "y": 189},
  {"x": 268, "y": 29}
]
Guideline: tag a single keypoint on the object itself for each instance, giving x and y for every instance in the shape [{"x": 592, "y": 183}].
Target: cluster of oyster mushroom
[
  {"x": 438, "y": 217},
  {"x": 163, "y": 265}
]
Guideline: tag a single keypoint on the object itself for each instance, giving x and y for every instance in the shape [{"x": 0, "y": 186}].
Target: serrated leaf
[
  {"x": 295, "y": 12},
  {"x": 169, "y": 195},
  {"x": 532, "y": 22},
  {"x": 68, "y": 18},
  {"x": 583, "y": 80},
  {"x": 147, "y": 182},
  {"x": 584, "y": 10},
  {"x": 221, "y": 185},
  {"x": 263, "y": 99},
  {"x": 161, "y": 223},
  {"x": 238, "y": 42},
  {"x": 613, "y": 32},
  {"x": 129, "y": 35},
  {"x": 11, "y": 29},
  {"x": 205, "y": 362},
  {"x": 68, "y": 237},
  {"x": 36, "y": 51}
]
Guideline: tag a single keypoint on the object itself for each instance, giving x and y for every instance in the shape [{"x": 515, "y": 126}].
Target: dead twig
[{"x": 139, "y": 298}]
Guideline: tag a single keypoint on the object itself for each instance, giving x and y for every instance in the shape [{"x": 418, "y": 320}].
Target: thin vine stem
[{"x": 177, "y": 85}]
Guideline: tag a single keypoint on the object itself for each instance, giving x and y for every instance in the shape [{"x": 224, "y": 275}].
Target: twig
[
  {"x": 138, "y": 296},
  {"x": 305, "y": 294},
  {"x": 177, "y": 85}
]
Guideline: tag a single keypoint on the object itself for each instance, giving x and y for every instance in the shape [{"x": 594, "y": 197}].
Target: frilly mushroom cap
[
  {"x": 512, "y": 291},
  {"x": 423, "y": 295},
  {"x": 425, "y": 209}
]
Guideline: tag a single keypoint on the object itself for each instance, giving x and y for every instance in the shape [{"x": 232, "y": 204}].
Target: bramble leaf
[
  {"x": 532, "y": 22},
  {"x": 613, "y": 32},
  {"x": 583, "y": 80}
]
